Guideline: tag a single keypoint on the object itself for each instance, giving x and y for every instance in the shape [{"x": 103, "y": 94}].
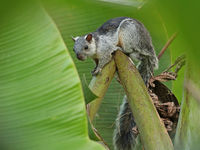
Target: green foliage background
[{"x": 37, "y": 92}]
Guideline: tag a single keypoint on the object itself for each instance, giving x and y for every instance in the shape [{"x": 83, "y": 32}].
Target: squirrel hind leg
[{"x": 124, "y": 137}]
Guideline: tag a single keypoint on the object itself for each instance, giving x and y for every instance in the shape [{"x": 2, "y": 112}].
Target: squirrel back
[
  {"x": 110, "y": 26},
  {"x": 130, "y": 36}
]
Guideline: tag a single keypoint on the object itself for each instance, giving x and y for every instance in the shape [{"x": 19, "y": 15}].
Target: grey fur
[
  {"x": 132, "y": 38},
  {"x": 110, "y": 26},
  {"x": 124, "y": 138},
  {"x": 79, "y": 48}
]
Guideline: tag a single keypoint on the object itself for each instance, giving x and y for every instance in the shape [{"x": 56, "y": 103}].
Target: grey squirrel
[{"x": 132, "y": 38}]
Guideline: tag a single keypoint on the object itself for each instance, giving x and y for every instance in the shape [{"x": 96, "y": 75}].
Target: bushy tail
[
  {"x": 146, "y": 67},
  {"x": 124, "y": 137}
]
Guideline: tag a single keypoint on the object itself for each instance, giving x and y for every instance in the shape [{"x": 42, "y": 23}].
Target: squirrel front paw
[{"x": 96, "y": 71}]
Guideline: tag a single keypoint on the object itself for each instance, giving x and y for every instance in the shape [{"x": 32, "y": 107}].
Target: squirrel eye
[{"x": 86, "y": 47}]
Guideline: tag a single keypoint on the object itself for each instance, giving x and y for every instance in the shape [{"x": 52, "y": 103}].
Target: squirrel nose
[{"x": 80, "y": 57}]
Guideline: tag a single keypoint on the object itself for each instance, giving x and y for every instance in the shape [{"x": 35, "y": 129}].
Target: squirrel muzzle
[{"x": 80, "y": 57}]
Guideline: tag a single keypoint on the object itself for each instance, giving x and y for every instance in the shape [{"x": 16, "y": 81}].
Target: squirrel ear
[
  {"x": 89, "y": 37},
  {"x": 75, "y": 38}
]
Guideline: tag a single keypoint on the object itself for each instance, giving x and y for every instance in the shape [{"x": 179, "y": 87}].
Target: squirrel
[{"x": 132, "y": 38}]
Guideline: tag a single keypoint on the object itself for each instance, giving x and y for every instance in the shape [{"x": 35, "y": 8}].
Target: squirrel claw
[{"x": 96, "y": 71}]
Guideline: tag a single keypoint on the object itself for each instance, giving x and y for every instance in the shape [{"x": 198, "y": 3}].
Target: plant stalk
[
  {"x": 152, "y": 130},
  {"x": 99, "y": 85}
]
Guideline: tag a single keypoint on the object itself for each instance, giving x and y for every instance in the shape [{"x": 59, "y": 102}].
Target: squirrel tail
[
  {"x": 124, "y": 136},
  {"x": 146, "y": 67}
]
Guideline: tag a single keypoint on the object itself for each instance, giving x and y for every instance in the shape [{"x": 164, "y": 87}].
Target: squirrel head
[{"x": 84, "y": 46}]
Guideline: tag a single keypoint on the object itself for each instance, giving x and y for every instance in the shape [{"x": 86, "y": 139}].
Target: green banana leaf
[
  {"x": 43, "y": 108},
  {"x": 41, "y": 99},
  {"x": 187, "y": 136}
]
